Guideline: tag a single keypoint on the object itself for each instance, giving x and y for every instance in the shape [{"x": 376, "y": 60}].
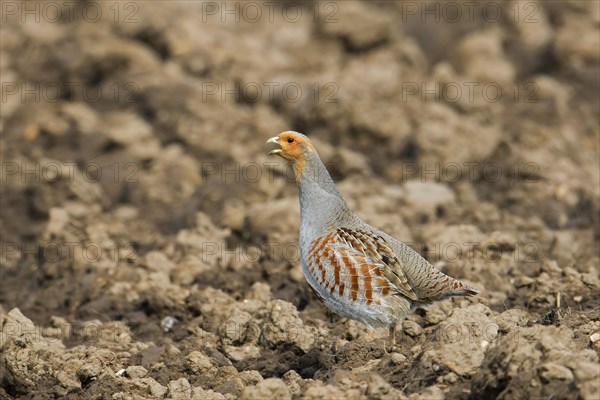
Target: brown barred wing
[{"x": 357, "y": 266}]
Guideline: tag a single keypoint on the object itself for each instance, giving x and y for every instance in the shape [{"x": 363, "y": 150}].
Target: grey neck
[{"x": 322, "y": 207}]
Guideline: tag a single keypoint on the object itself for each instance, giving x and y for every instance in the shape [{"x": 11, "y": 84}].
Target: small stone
[
  {"x": 198, "y": 363},
  {"x": 534, "y": 383},
  {"x": 437, "y": 313},
  {"x": 233, "y": 330},
  {"x": 259, "y": 291},
  {"x": 416, "y": 350},
  {"x": 398, "y": 358},
  {"x": 242, "y": 353},
  {"x": 151, "y": 386},
  {"x": 250, "y": 378},
  {"x": 232, "y": 386},
  {"x": 412, "y": 328},
  {"x": 172, "y": 351},
  {"x": 511, "y": 320},
  {"x": 272, "y": 388},
  {"x": 67, "y": 380},
  {"x": 294, "y": 382},
  {"x": 450, "y": 378},
  {"x": 524, "y": 281},
  {"x": 89, "y": 372},
  {"x": 159, "y": 262},
  {"x": 167, "y": 323},
  {"x": 136, "y": 371},
  {"x": 284, "y": 327},
  {"x": 180, "y": 389},
  {"x": 551, "y": 371}
]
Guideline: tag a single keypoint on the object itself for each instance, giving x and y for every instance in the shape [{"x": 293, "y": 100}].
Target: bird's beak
[{"x": 274, "y": 139}]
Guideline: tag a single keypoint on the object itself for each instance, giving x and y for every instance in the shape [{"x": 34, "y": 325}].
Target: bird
[{"x": 358, "y": 271}]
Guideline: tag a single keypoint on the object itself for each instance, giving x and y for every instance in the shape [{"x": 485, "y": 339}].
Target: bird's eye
[{"x": 290, "y": 140}]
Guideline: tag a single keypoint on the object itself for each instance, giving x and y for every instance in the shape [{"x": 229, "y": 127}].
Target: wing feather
[{"x": 380, "y": 257}]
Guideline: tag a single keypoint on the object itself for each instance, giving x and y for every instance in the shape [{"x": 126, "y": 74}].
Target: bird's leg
[{"x": 392, "y": 337}]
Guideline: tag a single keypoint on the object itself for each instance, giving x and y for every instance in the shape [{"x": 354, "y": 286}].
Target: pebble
[
  {"x": 450, "y": 378},
  {"x": 136, "y": 371},
  {"x": 551, "y": 371},
  {"x": 168, "y": 323},
  {"x": 398, "y": 358},
  {"x": 411, "y": 328}
]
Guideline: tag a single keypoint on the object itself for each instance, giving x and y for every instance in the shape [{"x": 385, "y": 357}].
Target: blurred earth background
[{"x": 149, "y": 245}]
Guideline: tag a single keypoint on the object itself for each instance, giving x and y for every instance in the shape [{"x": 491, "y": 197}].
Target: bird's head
[{"x": 294, "y": 147}]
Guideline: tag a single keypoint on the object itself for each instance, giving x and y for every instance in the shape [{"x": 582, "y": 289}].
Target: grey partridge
[{"x": 357, "y": 270}]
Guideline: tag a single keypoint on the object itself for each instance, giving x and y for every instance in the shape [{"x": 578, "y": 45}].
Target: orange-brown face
[{"x": 294, "y": 146}]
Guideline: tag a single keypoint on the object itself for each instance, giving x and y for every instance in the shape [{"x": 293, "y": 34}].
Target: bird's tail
[{"x": 459, "y": 289}]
